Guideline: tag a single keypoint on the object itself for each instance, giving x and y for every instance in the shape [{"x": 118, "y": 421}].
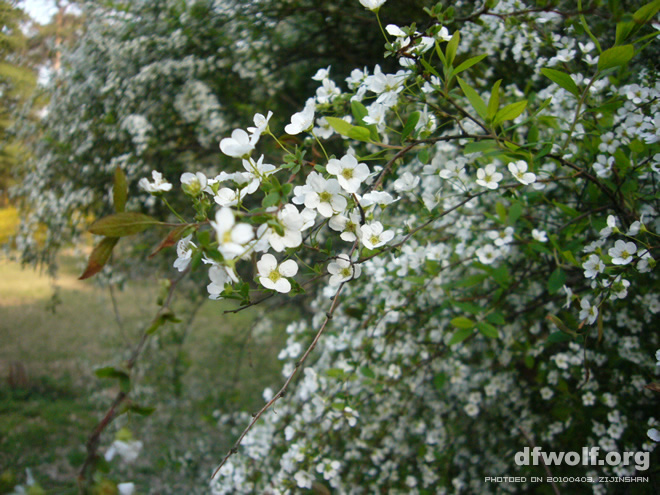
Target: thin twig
[
  {"x": 545, "y": 466},
  {"x": 114, "y": 410},
  {"x": 282, "y": 391}
]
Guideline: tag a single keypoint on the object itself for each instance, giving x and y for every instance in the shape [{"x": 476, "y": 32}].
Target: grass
[{"x": 217, "y": 365}]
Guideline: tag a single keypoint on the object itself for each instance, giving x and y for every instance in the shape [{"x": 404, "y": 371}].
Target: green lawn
[{"x": 219, "y": 365}]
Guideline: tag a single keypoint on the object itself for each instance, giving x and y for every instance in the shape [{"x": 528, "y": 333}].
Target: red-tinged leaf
[
  {"x": 120, "y": 190},
  {"x": 170, "y": 240},
  {"x": 99, "y": 257},
  {"x": 122, "y": 224}
]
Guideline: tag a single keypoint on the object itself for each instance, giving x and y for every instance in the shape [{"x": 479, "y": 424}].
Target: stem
[{"x": 173, "y": 210}]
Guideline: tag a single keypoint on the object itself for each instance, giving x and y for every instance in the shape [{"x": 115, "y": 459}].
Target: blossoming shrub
[{"x": 476, "y": 236}]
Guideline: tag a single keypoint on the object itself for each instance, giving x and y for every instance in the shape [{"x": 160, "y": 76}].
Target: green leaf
[
  {"x": 468, "y": 63},
  {"x": 339, "y": 125},
  {"x": 480, "y": 146},
  {"x": 462, "y": 322},
  {"x": 409, "y": 127},
  {"x": 473, "y": 97},
  {"x": 452, "y": 46},
  {"x": 556, "y": 281},
  {"x": 360, "y": 134},
  {"x": 110, "y": 372},
  {"x": 487, "y": 330},
  {"x": 494, "y": 100},
  {"x": 509, "y": 112},
  {"x": 439, "y": 381},
  {"x": 271, "y": 199},
  {"x": 141, "y": 410},
  {"x": 359, "y": 111},
  {"x": 642, "y": 16},
  {"x": 615, "y": 56},
  {"x": 429, "y": 67},
  {"x": 123, "y": 224},
  {"x": 460, "y": 335},
  {"x": 515, "y": 212},
  {"x": 99, "y": 257},
  {"x": 496, "y": 319},
  {"x": 562, "y": 80},
  {"x": 367, "y": 372},
  {"x": 501, "y": 211},
  {"x": 120, "y": 190}
]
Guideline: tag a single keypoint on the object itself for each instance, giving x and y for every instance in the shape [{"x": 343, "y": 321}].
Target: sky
[{"x": 39, "y": 10}]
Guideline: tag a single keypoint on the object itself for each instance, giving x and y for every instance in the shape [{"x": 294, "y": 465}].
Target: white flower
[
  {"x": 322, "y": 74},
  {"x": 184, "y": 250},
  {"x": 158, "y": 185},
  {"x": 260, "y": 124},
  {"x": 231, "y": 236},
  {"x": 351, "y": 416},
  {"x": 502, "y": 237},
  {"x": 519, "y": 171},
  {"x": 229, "y": 197},
  {"x": 255, "y": 172},
  {"x": 622, "y": 252},
  {"x": 588, "y": 312},
  {"x": 292, "y": 222},
  {"x": 588, "y": 399},
  {"x": 593, "y": 266},
  {"x": 654, "y": 434},
  {"x": 611, "y": 227},
  {"x": 219, "y": 275},
  {"x": 381, "y": 198},
  {"x": 348, "y": 226},
  {"x": 487, "y": 254},
  {"x": 127, "y": 450},
  {"x": 407, "y": 182},
  {"x": 302, "y": 121},
  {"x": 193, "y": 184},
  {"x": 321, "y": 195},
  {"x": 489, "y": 176},
  {"x": 443, "y": 34},
  {"x": 350, "y": 174},
  {"x": 372, "y": 235},
  {"x": 272, "y": 276},
  {"x": 328, "y": 468},
  {"x": 126, "y": 488},
  {"x": 303, "y": 479},
  {"x": 342, "y": 270},
  {"x": 539, "y": 235},
  {"x": 240, "y": 144},
  {"x": 372, "y": 5}
]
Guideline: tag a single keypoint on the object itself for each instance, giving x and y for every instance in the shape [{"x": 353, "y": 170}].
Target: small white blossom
[
  {"x": 193, "y": 184},
  {"x": 272, "y": 276},
  {"x": 622, "y": 252},
  {"x": 588, "y": 312},
  {"x": 489, "y": 177},
  {"x": 373, "y": 236},
  {"x": 239, "y": 145},
  {"x": 232, "y": 236},
  {"x": 342, "y": 270},
  {"x": 302, "y": 121},
  {"x": 184, "y": 250},
  {"x": 350, "y": 174},
  {"x": 593, "y": 266},
  {"x": 157, "y": 186},
  {"x": 519, "y": 171},
  {"x": 539, "y": 235}
]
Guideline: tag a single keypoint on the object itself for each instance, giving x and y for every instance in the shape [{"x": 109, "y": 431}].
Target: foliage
[
  {"x": 488, "y": 216},
  {"x": 17, "y": 80}
]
